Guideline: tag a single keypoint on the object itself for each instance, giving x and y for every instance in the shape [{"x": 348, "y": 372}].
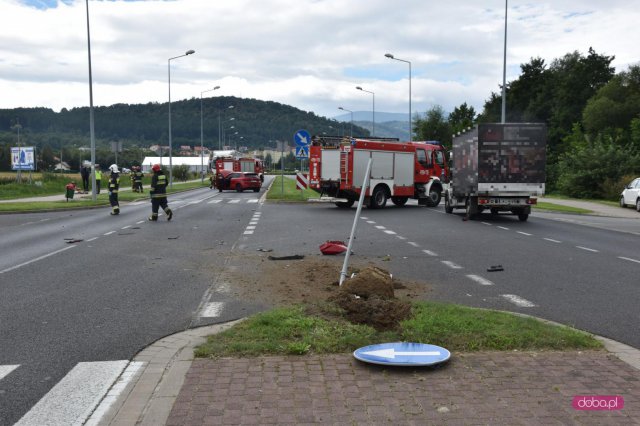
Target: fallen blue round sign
[{"x": 402, "y": 354}]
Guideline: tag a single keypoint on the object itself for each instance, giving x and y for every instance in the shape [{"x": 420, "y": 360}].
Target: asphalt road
[
  {"x": 85, "y": 287},
  {"x": 82, "y": 287}
]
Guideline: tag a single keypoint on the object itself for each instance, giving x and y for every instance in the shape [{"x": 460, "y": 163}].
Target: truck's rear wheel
[
  {"x": 522, "y": 217},
  {"x": 379, "y": 198},
  {"x": 345, "y": 204},
  {"x": 399, "y": 201}
]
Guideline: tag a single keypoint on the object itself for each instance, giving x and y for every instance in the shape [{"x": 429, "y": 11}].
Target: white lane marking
[
  {"x": 257, "y": 213},
  {"x": 109, "y": 233},
  {"x": 72, "y": 400},
  {"x": 373, "y": 222},
  {"x": 629, "y": 259},
  {"x": 380, "y": 227},
  {"x": 552, "y": 240},
  {"x": 480, "y": 280},
  {"x": 234, "y": 201},
  {"x": 524, "y": 233},
  {"x": 430, "y": 253},
  {"x": 517, "y": 300},
  {"x": 253, "y": 223},
  {"x": 36, "y": 259},
  {"x": 6, "y": 369},
  {"x": 502, "y": 227},
  {"x": 486, "y": 223},
  {"x": 390, "y": 232},
  {"x": 116, "y": 390},
  {"x": 401, "y": 237},
  {"x": 197, "y": 201},
  {"x": 248, "y": 232},
  {"x": 92, "y": 239},
  {"x": 250, "y": 227},
  {"x": 588, "y": 249},
  {"x": 212, "y": 310},
  {"x": 364, "y": 218},
  {"x": 451, "y": 264},
  {"x": 126, "y": 227},
  {"x": 413, "y": 244},
  {"x": 214, "y": 201},
  {"x": 140, "y": 221},
  {"x": 253, "y": 200}
]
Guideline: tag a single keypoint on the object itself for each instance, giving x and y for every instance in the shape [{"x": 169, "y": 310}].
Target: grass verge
[
  {"x": 85, "y": 201},
  {"x": 560, "y": 208},
  {"x": 291, "y": 331},
  {"x": 286, "y": 191}
]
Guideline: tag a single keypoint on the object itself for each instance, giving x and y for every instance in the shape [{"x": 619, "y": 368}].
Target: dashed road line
[
  {"x": 552, "y": 240},
  {"x": 401, "y": 237},
  {"x": 480, "y": 280},
  {"x": 430, "y": 253},
  {"x": 372, "y": 222},
  {"x": 588, "y": 249},
  {"x": 486, "y": 223},
  {"x": 390, "y": 232},
  {"x": 140, "y": 221},
  {"x": 413, "y": 244},
  {"x": 380, "y": 227},
  {"x": 524, "y": 233},
  {"x": 212, "y": 310},
  {"x": 629, "y": 259},
  {"x": 92, "y": 239},
  {"x": 6, "y": 369},
  {"x": 126, "y": 227},
  {"x": 519, "y": 301},
  {"x": 236, "y": 201},
  {"x": 502, "y": 227},
  {"x": 451, "y": 264},
  {"x": 109, "y": 233},
  {"x": 214, "y": 201}
]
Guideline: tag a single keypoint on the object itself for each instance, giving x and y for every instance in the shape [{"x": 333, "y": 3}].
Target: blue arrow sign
[
  {"x": 302, "y": 152},
  {"x": 402, "y": 354},
  {"x": 302, "y": 138}
]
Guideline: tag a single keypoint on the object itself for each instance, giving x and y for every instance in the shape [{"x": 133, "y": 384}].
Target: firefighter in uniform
[
  {"x": 158, "y": 191},
  {"x": 136, "y": 178},
  {"x": 114, "y": 185}
]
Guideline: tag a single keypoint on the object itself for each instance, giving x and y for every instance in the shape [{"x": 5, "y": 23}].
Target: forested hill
[{"x": 259, "y": 123}]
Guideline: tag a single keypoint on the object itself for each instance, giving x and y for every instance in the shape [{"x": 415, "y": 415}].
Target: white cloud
[{"x": 309, "y": 54}]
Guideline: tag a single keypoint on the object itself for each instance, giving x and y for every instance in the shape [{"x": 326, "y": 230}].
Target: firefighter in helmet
[
  {"x": 158, "y": 191},
  {"x": 114, "y": 185}
]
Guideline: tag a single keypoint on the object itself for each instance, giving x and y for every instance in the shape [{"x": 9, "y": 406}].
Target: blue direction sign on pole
[
  {"x": 402, "y": 354},
  {"x": 302, "y": 138}
]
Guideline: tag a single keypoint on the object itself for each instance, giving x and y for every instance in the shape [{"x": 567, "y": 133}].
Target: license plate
[{"x": 506, "y": 201}]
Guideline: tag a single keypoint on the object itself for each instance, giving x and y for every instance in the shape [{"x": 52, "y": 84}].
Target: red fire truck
[
  {"x": 245, "y": 164},
  {"x": 399, "y": 170}
]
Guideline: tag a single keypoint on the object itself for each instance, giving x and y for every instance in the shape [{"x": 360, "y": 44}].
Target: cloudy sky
[{"x": 310, "y": 54}]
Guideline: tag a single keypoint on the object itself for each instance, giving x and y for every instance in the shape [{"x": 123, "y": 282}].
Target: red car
[{"x": 239, "y": 181}]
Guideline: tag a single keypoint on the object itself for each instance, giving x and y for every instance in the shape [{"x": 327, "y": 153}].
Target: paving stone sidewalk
[{"x": 487, "y": 388}]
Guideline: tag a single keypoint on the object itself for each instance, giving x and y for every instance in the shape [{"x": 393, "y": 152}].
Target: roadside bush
[{"x": 181, "y": 172}]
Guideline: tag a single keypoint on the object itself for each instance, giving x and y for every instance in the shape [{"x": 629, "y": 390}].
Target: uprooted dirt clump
[
  {"x": 368, "y": 298},
  {"x": 382, "y": 302}
]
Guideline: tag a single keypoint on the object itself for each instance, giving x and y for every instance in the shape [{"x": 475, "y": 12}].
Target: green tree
[
  {"x": 434, "y": 126},
  {"x": 462, "y": 117}
]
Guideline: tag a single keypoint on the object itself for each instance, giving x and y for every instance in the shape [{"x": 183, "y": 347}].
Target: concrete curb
[
  {"x": 150, "y": 394},
  {"x": 149, "y": 397}
]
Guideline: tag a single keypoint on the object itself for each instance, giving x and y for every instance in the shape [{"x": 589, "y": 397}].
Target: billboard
[{"x": 23, "y": 158}]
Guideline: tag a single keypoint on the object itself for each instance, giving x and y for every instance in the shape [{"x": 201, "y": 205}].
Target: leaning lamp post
[
  {"x": 373, "y": 111},
  {"x": 202, "y": 133},
  {"x": 351, "y": 129},
  {"x": 390, "y": 56},
  {"x": 188, "y": 52}
]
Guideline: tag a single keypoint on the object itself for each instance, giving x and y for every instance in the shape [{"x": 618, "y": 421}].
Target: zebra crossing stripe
[
  {"x": 74, "y": 398},
  {"x": 214, "y": 201},
  {"x": 234, "y": 201},
  {"x": 6, "y": 369}
]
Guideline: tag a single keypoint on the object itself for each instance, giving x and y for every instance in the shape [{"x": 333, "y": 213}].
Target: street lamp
[
  {"x": 390, "y": 56},
  {"x": 373, "y": 125},
  {"x": 188, "y": 52},
  {"x": 348, "y": 110},
  {"x": 91, "y": 125},
  {"x": 224, "y": 130},
  {"x": 221, "y": 130},
  {"x": 202, "y": 133},
  {"x": 504, "y": 67}
]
